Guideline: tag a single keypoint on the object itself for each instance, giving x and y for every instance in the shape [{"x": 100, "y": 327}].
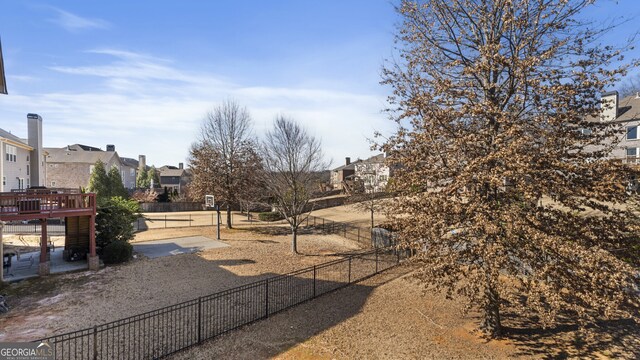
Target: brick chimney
[
  {"x": 609, "y": 106},
  {"x": 111, "y": 148},
  {"x": 180, "y": 166},
  {"x": 347, "y": 160}
]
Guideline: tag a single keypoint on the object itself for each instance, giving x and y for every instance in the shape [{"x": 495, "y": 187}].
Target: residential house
[
  {"x": 174, "y": 178},
  {"x": 626, "y": 113},
  {"x": 71, "y": 166},
  {"x": 374, "y": 173},
  {"x": 342, "y": 173},
  {"x": 129, "y": 172},
  {"x": 22, "y": 161}
]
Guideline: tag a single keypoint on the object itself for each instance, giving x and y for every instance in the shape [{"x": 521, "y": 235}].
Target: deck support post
[
  {"x": 94, "y": 262},
  {"x": 44, "y": 267}
]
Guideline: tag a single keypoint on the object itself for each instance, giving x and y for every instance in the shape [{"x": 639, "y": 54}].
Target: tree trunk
[
  {"x": 294, "y": 239},
  {"x": 491, "y": 325},
  {"x": 371, "y": 218},
  {"x": 229, "y": 217}
]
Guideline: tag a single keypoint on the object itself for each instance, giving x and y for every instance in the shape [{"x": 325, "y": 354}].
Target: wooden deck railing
[{"x": 33, "y": 205}]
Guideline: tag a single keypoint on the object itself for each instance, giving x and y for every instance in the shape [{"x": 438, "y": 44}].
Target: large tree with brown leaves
[{"x": 509, "y": 200}]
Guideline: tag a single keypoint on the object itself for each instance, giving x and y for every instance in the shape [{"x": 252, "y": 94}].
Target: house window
[
  {"x": 11, "y": 153},
  {"x": 4, "y": 180},
  {"x": 27, "y": 157},
  {"x": 28, "y": 169},
  {"x": 53, "y": 184},
  {"x": 28, "y": 183},
  {"x": 132, "y": 172},
  {"x": 632, "y": 133},
  {"x": 20, "y": 184},
  {"x": 633, "y": 155}
]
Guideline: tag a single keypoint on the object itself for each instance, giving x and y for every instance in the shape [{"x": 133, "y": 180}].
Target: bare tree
[
  {"x": 252, "y": 191},
  {"x": 293, "y": 159},
  {"x": 224, "y": 161},
  {"x": 509, "y": 201},
  {"x": 630, "y": 86}
]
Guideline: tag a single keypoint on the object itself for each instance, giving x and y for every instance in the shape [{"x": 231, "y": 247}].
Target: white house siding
[
  {"x": 376, "y": 173},
  {"x": 629, "y": 143},
  {"x": 14, "y": 173}
]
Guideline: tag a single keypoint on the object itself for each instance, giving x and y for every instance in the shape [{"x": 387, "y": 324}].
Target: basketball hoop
[{"x": 209, "y": 201}]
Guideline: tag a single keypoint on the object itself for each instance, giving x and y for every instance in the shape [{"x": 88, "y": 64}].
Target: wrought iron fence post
[
  {"x": 323, "y": 225},
  {"x": 398, "y": 255},
  {"x": 349, "y": 269},
  {"x": 95, "y": 343},
  {"x": 266, "y": 298},
  {"x": 358, "y": 234},
  {"x": 314, "y": 281},
  {"x": 189, "y": 220},
  {"x": 200, "y": 320}
]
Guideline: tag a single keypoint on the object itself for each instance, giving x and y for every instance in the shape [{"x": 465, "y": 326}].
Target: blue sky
[{"x": 142, "y": 74}]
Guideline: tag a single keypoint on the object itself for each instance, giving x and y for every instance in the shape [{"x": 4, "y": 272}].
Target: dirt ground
[
  {"x": 388, "y": 316},
  {"x": 60, "y": 303},
  {"x": 349, "y": 214}
]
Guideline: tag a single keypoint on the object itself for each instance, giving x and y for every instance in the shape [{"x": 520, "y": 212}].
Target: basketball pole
[{"x": 218, "y": 211}]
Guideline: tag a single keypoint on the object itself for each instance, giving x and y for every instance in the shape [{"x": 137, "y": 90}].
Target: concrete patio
[{"x": 27, "y": 266}]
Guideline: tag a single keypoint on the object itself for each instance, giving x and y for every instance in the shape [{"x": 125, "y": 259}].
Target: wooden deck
[{"x": 45, "y": 205}]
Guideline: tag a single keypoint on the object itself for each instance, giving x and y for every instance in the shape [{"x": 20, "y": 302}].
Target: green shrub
[
  {"x": 270, "y": 216},
  {"x": 117, "y": 252},
  {"x": 115, "y": 220}
]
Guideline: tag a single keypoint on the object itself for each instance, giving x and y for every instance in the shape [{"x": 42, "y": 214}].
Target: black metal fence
[
  {"x": 32, "y": 228},
  {"x": 165, "y": 331},
  {"x": 360, "y": 234},
  {"x": 165, "y": 221}
]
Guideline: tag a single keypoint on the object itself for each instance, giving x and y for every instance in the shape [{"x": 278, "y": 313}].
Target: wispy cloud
[
  {"x": 133, "y": 66},
  {"x": 72, "y": 22},
  {"x": 147, "y": 105}
]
